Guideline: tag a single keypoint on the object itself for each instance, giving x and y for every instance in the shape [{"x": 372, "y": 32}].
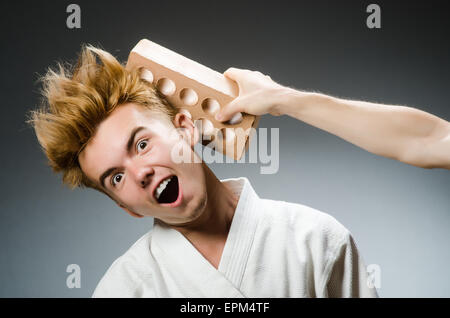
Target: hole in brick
[
  {"x": 210, "y": 106},
  {"x": 205, "y": 126},
  {"x": 188, "y": 96},
  {"x": 146, "y": 75},
  {"x": 166, "y": 86},
  {"x": 236, "y": 119}
]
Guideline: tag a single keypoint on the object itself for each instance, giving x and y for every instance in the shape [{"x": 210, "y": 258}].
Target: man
[{"x": 105, "y": 128}]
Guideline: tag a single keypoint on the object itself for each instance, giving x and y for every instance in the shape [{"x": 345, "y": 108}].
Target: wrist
[
  {"x": 281, "y": 100},
  {"x": 293, "y": 102}
]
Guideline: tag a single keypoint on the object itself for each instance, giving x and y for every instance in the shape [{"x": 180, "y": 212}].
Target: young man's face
[{"x": 134, "y": 178}]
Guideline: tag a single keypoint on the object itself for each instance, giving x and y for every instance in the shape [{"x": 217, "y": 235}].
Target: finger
[
  {"x": 263, "y": 75},
  {"x": 233, "y": 72},
  {"x": 235, "y": 106}
]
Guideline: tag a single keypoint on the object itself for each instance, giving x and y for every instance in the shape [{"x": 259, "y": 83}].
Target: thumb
[
  {"x": 232, "y": 73},
  {"x": 229, "y": 110}
]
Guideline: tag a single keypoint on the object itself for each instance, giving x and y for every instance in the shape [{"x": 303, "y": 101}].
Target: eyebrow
[{"x": 128, "y": 146}]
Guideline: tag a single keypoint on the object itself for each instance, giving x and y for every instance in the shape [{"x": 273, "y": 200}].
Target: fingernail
[{"x": 219, "y": 117}]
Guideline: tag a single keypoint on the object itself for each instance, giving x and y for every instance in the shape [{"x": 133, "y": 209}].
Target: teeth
[{"x": 162, "y": 186}]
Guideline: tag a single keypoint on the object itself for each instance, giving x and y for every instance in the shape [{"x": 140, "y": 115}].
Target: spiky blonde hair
[{"x": 77, "y": 99}]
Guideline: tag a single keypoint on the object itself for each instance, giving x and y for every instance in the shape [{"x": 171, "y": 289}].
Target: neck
[{"x": 214, "y": 223}]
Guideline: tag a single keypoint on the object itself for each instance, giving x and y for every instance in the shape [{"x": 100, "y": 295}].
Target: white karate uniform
[{"x": 273, "y": 249}]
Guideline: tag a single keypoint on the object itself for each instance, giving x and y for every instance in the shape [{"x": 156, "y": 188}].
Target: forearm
[{"x": 397, "y": 132}]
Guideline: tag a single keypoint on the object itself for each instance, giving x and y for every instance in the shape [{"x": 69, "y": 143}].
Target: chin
[
  {"x": 194, "y": 210},
  {"x": 196, "y": 206}
]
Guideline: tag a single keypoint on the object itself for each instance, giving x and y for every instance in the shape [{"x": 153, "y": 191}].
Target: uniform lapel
[{"x": 242, "y": 231}]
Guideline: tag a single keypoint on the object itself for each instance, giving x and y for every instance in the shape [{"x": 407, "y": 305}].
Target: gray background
[{"x": 399, "y": 214}]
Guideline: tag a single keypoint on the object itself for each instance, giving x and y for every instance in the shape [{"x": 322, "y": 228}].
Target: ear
[
  {"x": 130, "y": 212},
  {"x": 186, "y": 128}
]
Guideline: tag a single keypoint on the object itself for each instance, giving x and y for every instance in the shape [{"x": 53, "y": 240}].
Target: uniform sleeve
[{"x": 347, "y": 277}]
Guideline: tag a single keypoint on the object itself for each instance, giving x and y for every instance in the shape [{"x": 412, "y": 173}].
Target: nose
[
  {"x": 145, "y": 180},
  {"x": 142, "y": 174}
]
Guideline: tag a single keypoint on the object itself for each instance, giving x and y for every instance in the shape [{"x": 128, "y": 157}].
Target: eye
[
  {"x": 116, "y": 178},
  {"x": 141, "y": 145}
]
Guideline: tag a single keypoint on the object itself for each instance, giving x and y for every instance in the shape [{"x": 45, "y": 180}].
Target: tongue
[{"x": 170, "y": 193}]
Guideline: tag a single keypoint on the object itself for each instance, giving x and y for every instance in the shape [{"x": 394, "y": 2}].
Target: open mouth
[{"x": 168, "y": 190}]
